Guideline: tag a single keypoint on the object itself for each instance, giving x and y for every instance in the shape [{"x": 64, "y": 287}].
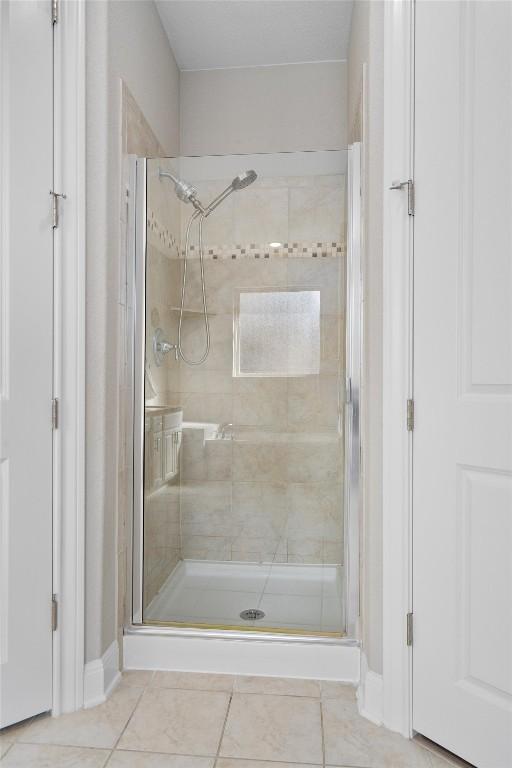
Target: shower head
[
  {"x": 188, "y": 194},
  {"x": 244, "y": 179},
  {"x": 184, "y": 191},
  {"x": 239, "y": 182}
]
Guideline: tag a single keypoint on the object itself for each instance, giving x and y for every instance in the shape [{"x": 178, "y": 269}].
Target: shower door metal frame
[
  {"x": 137, "y": 224},
  {"x": 136, "y": 276},
  {"x": 352, "y": 427}
]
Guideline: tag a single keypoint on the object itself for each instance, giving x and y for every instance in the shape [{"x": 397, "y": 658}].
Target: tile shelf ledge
[{"x": 189, "y": 311}]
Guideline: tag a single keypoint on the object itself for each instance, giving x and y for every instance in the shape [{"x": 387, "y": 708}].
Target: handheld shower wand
[
  {"x": 188, "y": 194},
  {"x": 239, "y": 182}
]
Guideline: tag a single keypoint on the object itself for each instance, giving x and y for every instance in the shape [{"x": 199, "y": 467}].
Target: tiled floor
[
  {"x": 298, "y": 597},
  {"x": 182, "y": 720}
]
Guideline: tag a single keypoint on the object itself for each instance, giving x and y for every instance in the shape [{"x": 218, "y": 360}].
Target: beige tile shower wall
[
  {"x": 275, "y": 491},
  {"x": 161, "y": 514}
]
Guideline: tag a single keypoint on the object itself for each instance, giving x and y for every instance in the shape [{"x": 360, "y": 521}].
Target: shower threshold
[{"x": 295, "y": 599}]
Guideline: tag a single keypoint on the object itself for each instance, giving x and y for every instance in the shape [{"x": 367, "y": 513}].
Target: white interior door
[
  {"x": 462, "y": 540},
  {"x": 26, "y": 355}
]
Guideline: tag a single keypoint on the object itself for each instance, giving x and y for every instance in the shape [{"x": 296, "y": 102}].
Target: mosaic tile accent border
[
  {"x": 163, "y": 239},
  {"x": 263, "y": 251},
  {"x": 160, "y": 236}
]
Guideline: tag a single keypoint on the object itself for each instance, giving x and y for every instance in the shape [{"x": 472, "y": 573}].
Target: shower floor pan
[{"x": 305, "y": 599}]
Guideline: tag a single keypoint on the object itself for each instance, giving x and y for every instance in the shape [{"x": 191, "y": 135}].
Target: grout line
[
  {"x": 322, "y": 729},
  {"x": 60, "y": 743},
  {"x": 217, "y": 755},
  {"x": 11, "y": 745},
  {"x": 235, "y": 760},
  {"x": 281, "y": 762},
  {"x": 245, "y": 693},
  {"x": 147, "y": 752},
  {"x": 107, "y": 761},
  {"x": 130, "y": 718}
]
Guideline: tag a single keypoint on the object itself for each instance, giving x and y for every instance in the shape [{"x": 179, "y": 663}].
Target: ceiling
[{"x": 211, "y": 34}]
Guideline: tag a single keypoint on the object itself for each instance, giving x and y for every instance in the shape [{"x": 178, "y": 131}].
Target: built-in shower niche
[{"x": 252, "y": 518}]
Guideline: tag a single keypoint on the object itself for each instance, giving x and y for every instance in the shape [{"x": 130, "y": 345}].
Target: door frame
[
  {"x": 397, "y": 364},
  {"x": 353, "y": 386},
  {"x": 69, "y": 356}
]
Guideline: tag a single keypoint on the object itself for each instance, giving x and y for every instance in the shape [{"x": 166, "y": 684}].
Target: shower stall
[{"x": 246, "y": 355}]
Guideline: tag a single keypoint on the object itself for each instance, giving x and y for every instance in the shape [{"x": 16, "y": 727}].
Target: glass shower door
[{"x": 240, "y": 514}]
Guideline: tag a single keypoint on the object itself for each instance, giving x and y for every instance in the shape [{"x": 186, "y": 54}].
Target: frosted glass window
[{"x": 278, "y": 333}]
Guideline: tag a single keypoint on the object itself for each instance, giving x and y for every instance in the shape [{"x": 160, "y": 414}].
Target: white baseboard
[
  {"x": 323, "y": 661},
  {"x": 101, "y": 676},
  {"x": 369, "y": 693}
]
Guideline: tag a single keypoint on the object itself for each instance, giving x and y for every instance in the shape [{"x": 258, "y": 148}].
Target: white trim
[
  {"x": 101, "y": 677},
  {"x": 397, "y": 356},
  {"x": 69, "y": 378},
  {"x": 369, "y": 693},
  {"x": 159, "y": 650}
]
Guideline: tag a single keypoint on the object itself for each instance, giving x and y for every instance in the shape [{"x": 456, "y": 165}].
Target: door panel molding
[
  {"x": 482, "y": 535},
  {"x": 482, "y": 254}
]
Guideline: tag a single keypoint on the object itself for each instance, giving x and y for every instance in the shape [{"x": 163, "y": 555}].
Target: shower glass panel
[{"x": 241, "y": 519}]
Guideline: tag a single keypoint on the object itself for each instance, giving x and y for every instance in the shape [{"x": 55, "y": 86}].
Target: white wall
[
  {"x": 366, "y": 121},
  {"x": 264, "y": 109},
  {"x": 125, "y": 41}
]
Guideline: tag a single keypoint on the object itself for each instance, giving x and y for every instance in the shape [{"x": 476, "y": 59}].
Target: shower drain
[{"x": 251, "y": 614}]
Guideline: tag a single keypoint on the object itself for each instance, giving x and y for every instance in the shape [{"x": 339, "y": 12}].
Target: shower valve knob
[{"x": 162, "y": 347}]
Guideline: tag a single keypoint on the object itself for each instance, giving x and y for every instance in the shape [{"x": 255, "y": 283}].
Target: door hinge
[
  {"x": 410, "y": 415},
  {"x": 55, "y": 207},
  {"x": 409, "y": 628},
  {"x": 410, "y": 193},
  {"x": 55, "y": 11},
  {"x": 55, "y": 612},
  {"x": 55, "y": 413}
]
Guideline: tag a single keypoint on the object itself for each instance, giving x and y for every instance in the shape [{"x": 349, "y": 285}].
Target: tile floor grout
[
  {"x": 323, "y": 702},
  {"x": 143, "y": 689},
  {"x": 277, "y": 762},
  {"x": 322, "y": 731},
  {"x": 7, "y": 750},
  {"x": 223, "y": 731},
  {"x": 245, "y": 693}
]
